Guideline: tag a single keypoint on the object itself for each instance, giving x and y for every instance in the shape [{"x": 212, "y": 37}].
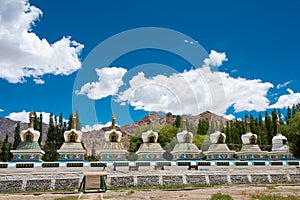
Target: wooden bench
[
  {"x": 159, "y": 167},
  {"x": 193, "y": 167},
  {"x": 133, "y": 168}
]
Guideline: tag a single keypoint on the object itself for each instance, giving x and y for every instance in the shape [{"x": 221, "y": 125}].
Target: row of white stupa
[
  {"x": 186, "y": 150},
  {"x": 72, "y": 149}
]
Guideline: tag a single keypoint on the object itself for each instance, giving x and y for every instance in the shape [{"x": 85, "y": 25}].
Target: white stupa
[
  {"x": 185, "y": 149},
  {"x": 72, "y": 148},
  {"x": 150, "y": 149},
  {"x": 250, "y": 149},
  {"x": 113, "y": 148},
  {"x": 280, "y": 149},
  {"x": 29, "y": 148},
  {"x": 218, "y": 149}
]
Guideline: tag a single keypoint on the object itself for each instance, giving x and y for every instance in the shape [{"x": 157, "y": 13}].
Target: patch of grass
[
  {"x": 158, "y": 187},
  {"x": 130, "y": 192},
  {"x": 271, "y": 187},
  {"x": 220, "y": 196},
  {"x": 273, "y": 197},
  {"x": 37, "y": 192},
  {"x": 67, "y": 198}
]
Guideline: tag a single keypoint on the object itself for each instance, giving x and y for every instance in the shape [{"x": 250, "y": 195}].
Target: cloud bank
[
  {"x": 24, "y": 116},
  {"x": 109, "y": 81},
  {"x": 189, "y": 92},
  {"x": 95, "y": 127},
  {"x": 197, "y": 90},
  {"x": 287, "y": 100},
  {"x": 23, "y": 54}
]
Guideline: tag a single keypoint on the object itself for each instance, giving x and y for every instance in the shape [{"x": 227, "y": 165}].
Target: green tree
[
  {"x": 203, "y": 126},
  {"x": 17, "y": 138},
  {"x": 50, "y": 146},
  {"x": 268, "y": 132},
  {"x": 6, "y": 147},
  {"x": 166, "y": 134},
  {"x": 288, "y": 114},
  {"x": 293, "y": 134},
  {"x": 178, "y": 121},
  {"x": 40, "y": 122},
  {"x": 274, "y": 121}
]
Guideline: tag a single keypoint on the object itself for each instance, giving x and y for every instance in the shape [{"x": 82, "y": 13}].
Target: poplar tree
[
  {"x": 50, "y": 144},
  {"x": 17, "y": 138},
  {"x": 5, "y": 154}
]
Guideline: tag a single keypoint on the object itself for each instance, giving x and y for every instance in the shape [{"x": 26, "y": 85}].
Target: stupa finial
[
  {"x": 149, "y": 121},
  {"x": 248, "y": 130},
  {"x": 184, "y": 122},
  {"x": 277, "y": 126},
  {"x": 31, "y": 120},
  {"x": 73, "y": 121},
  {"x": 113, "y": 126}
]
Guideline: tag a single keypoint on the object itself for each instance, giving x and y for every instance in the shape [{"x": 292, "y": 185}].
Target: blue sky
[{"x": 252, "y": 46}]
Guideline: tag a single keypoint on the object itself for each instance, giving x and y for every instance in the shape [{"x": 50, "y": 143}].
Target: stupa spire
[
  {"x": 277, "y": 126},
  {"x": 113, "y": 126},
  {"x": 31, "y": 120},
  {"x": 149, "y": 121},
  {"x": 184, "y": 122},
  {"x": 248, "y": 130},
  {"x": 73, "y": 121}
]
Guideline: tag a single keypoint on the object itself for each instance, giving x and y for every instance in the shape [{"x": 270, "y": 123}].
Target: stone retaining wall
[
  {"x": 72, "y": 180},
  {"x": 40, "y": 181},
  {"x": 212, "y": 176}
]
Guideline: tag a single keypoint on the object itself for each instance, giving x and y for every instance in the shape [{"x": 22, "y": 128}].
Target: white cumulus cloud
[
  {"x": 23, "y": 116},
  {"x": 23, "y": 54},
  {"x": 215, "y": 59},
  {"x": 95, "y": 127},
  {"x": 196, "y": 90},
  {"x": 287, "y": 100},
  {"x": 109, "y": 81},
  {"x": 1, "y": 110}
]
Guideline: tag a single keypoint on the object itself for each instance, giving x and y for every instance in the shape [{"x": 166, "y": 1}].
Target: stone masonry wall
[{"x": 42, "y": 181}]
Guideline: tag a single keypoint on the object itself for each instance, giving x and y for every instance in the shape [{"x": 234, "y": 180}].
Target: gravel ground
[{"x": 242, "y": 192}]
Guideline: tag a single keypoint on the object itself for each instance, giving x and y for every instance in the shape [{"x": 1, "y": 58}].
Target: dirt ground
[{"x": 242, "y": 192}]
